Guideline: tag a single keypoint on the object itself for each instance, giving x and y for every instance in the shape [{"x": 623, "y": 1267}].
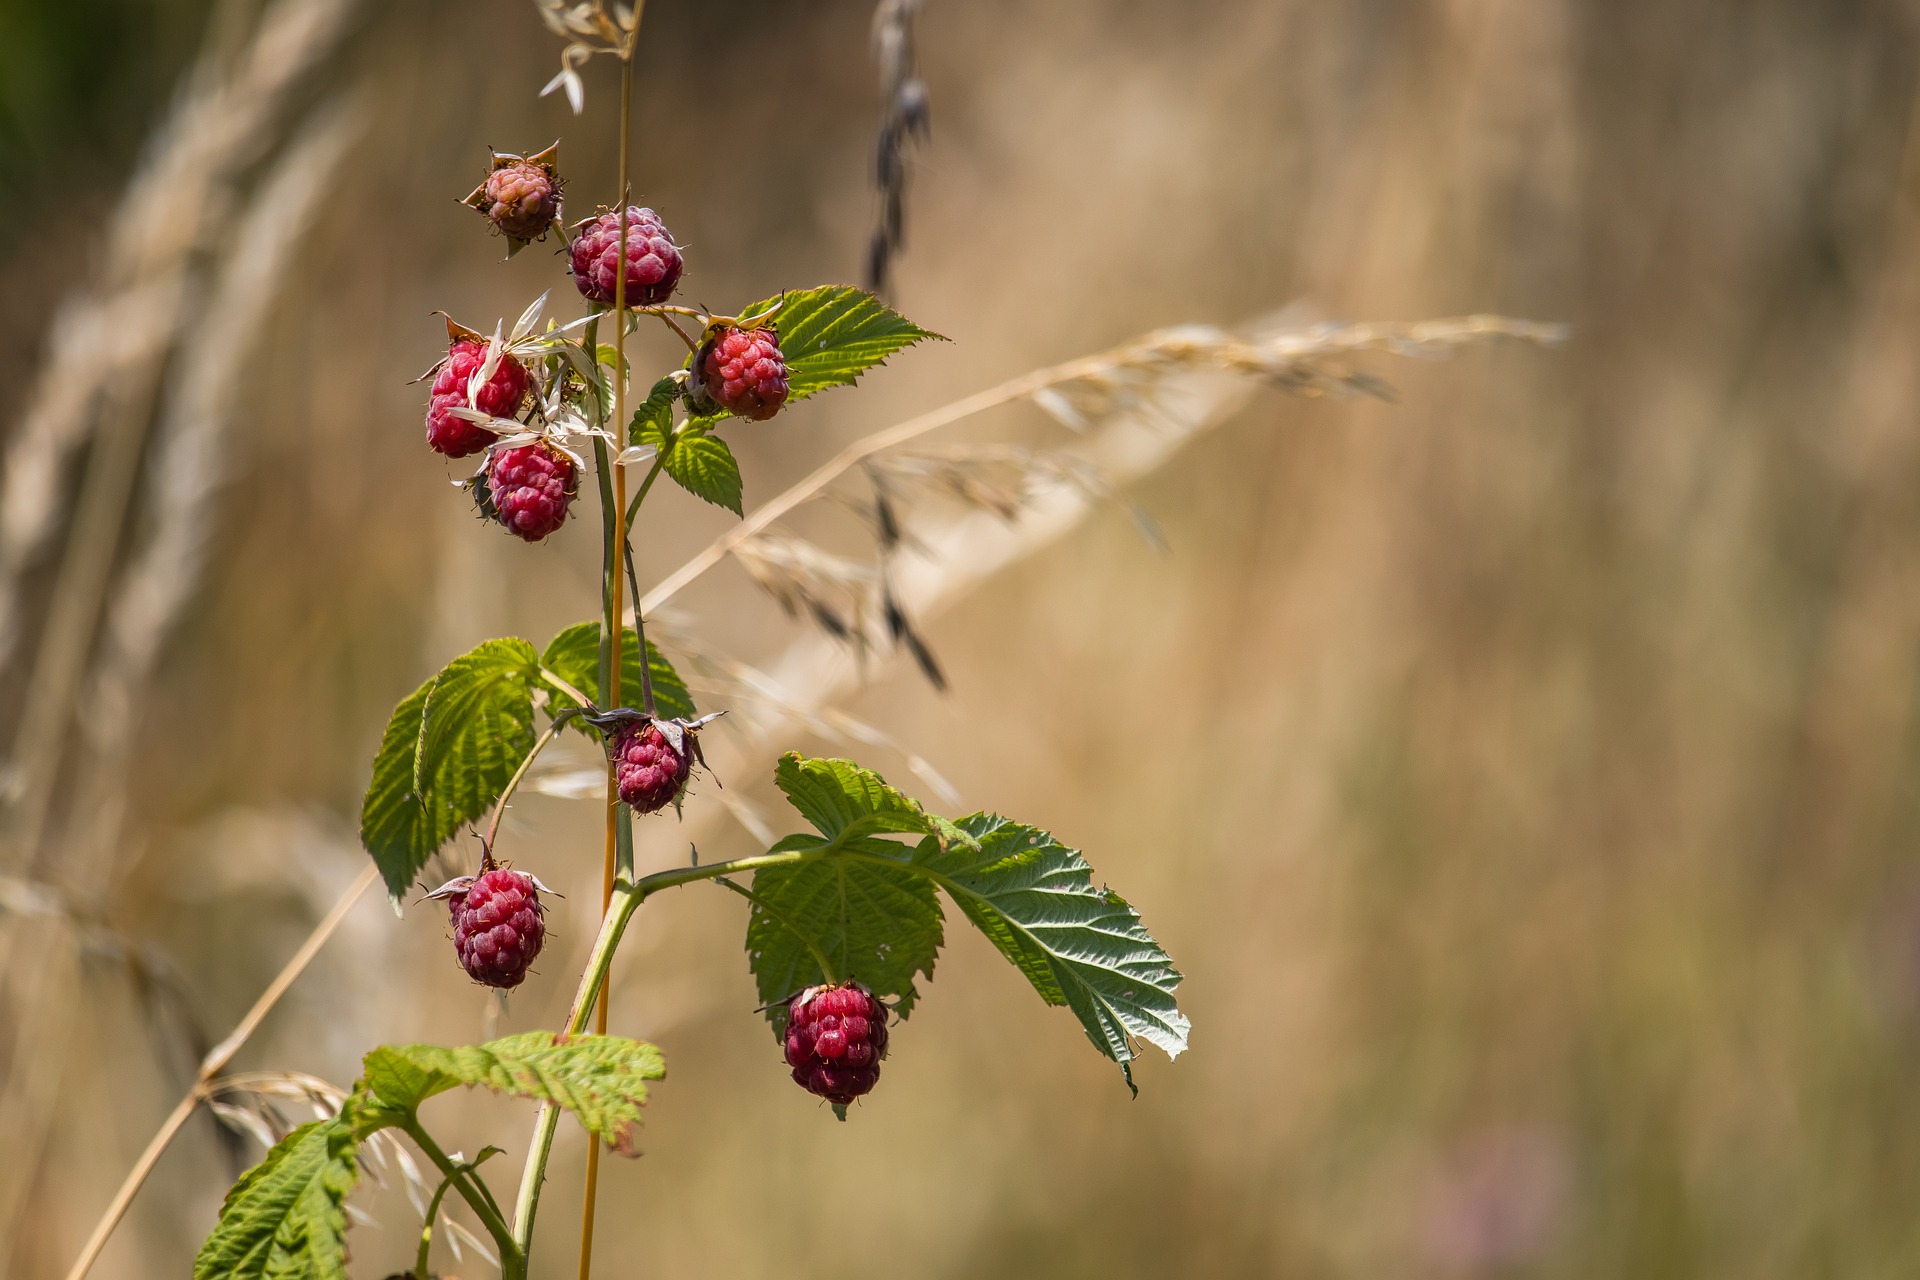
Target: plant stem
[
  {"x": 500, "y": 805},
  {"x": 425, "y": 1254},
  {"x": 513, "y": 1262},
  {"x": 615, "y": 584}
]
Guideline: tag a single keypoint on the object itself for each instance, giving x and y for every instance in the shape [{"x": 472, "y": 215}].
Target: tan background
[{"x": 1523, "y": 773}]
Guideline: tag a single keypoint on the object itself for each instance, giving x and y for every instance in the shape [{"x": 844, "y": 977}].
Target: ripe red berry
[
  {"x": 650, "y": 771},
  {"x": 836, "y": 1037},
  {"x": 497, "y": 927},
  {"x": 500, "y": 396},
  {"x": 653, "y": 260},
  {"x": 744, "y": 372},
  {"x": 531, "y": 486}
]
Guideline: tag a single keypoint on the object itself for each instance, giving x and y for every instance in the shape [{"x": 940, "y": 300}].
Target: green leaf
[
  {"x": 574, "y": 656},
  {"x": 838, "y": 796},
  {"x": 704, "y": 467},
  {"x": 286, "y": 1217},
  {"x": 831, "y": 335},
  {"x": 875, "y": 922},
  {"x": 448, "y": 752},
  {"x": 1078, "y": 945},
  {"x": 652, "y": 422},
  {"x": 874, "y": 917},
  {"x": 602, "y": 1080}
]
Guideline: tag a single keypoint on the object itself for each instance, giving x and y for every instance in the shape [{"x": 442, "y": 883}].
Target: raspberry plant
[{"x": 844, "y": 918}]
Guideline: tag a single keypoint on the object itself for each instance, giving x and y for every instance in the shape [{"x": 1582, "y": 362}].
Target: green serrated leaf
[
  {"x": 875, "y": 919},
  {"x": 705, "y": 468},
  {"x": 653, "y": 420},
  {"x": 1080, "y": 946},
  {"x": 449, "y": 750},
  {"x": 831, "y": 335},
  {"x": 839, "y": 797},
  {"x": 855, "y": 904},
  {"x": 574, "y": 656},
  {"x": 602, "y": 1080},
  {"x": 286, "y": 1218}
]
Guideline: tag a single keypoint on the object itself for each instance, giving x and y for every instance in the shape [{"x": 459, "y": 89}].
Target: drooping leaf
[
  {"x": 831, "y": 335},
  {"x": 871, "y": 921},
  {"x": 853, "y": 903},
  {"x": 574, "y": 656},
  {"x": 286, "y": 1217},
  {"x": 1078, "y": 945},
  {"x": 602, "y": 1080},
  {"x": 705, "y": 468},
  {"x": 449, "y": 750}
]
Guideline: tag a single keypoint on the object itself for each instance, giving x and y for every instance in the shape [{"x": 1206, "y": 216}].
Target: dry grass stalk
[
  {"x": 188, "y": 468},
  {"x": 905, "y": 118}
]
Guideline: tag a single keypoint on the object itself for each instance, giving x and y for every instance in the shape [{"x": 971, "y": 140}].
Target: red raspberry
[
  {"x": 521, "y": 198},
  {"x": 836, "y": 1037},
  {"x": 653, "y": 261},
  {"x": 497, "y": 927},
  {"x": 531, "y": 487},
  {"x": 650, "y": 771},
  {"x": 499, "y": 396},
  {"x": 744, "y": 372}
]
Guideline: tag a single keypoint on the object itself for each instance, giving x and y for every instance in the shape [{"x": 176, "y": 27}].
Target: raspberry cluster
[
  {"x": 498, "y": 928},
  {"x": 653, "y": 260},
  {"x": 500, "y": 396},
  {"x": 649, "y": 770},
  {"x": 744, "y": 372},
  {"x": 836, "y": 1036}
]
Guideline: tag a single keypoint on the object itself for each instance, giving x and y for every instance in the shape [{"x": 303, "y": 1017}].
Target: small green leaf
[
  {"x": 449, "y": 750},
  {"x": 704, "y": 467},
  {"x": 653, "y": 420},
  {"x": 602, "y": 1080},
  {"x": 286, "y": 1218},
  {"x": 1078, "y": 945},
  {"x": 831, "y": 335},
  {"x": 574, "y": 656}
]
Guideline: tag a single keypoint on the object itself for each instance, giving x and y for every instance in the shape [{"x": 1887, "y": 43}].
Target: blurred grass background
[{"x": 1523, "y": 773}]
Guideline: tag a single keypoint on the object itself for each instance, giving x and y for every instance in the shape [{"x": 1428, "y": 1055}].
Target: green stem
[
  {"x": 633, "y": 508},
  {"x": 425, "y": 1254},
  {"x": 775, "y": 914},
  {"x": 513, "y": 783},
  {"x": 513, "y": 1259}
]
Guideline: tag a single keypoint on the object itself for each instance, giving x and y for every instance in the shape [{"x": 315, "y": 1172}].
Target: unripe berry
[
  {"x": 531, "y": 487},
  {"x": 836, "y": 1037},
  {"x": 500, "y": 396},
  {"x": 744, "y": 372},
  {"x": 522, "y": 200},
  {"x": 649, "y": 770},
  {"x": 498, "y": 927},
  {"x": 653, "y": 260}
]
